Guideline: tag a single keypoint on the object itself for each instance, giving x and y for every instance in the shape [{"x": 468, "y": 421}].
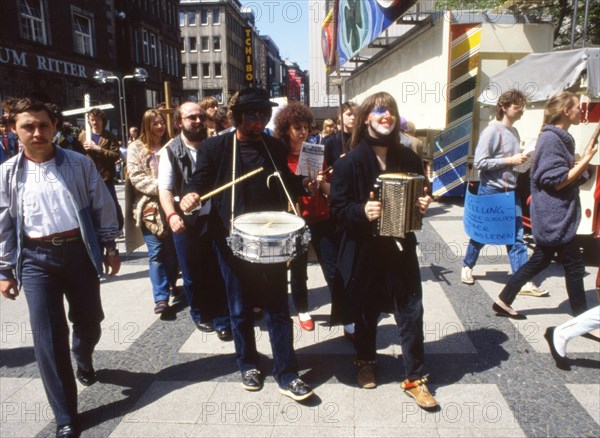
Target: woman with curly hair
[
  {"x": 142, "y": 171},
  {"x": 291, "y": 126}
]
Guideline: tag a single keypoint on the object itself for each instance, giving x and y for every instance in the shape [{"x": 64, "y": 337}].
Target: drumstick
[
  {"x": 329, "y": 169},
  {"x": 226, "y": 186}
]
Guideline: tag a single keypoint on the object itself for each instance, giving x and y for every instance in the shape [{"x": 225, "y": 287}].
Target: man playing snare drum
[{"x": 247, "y": 282}]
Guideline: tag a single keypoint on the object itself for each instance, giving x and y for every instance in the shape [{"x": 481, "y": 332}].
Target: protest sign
[{"x": 490, "y": 219}]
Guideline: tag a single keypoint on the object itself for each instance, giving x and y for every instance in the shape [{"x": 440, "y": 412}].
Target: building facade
[{"x": 53, "y": 48}]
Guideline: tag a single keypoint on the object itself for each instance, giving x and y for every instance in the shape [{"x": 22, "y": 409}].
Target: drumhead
[{"x": 268, "y": 223}]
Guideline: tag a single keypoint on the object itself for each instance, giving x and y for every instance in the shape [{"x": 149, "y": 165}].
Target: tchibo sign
[{"x": 40, "y": 62}]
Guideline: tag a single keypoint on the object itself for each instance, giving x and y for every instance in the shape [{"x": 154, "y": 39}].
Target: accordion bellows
[{"x": 398, "y": 193}]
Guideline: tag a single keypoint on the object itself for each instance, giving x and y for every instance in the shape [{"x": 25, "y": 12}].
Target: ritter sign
[{"x": 248, "y": 56}]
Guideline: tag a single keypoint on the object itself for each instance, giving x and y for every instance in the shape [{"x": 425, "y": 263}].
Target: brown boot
[
  {"x": 366, "y": 374},
  {"x": 418, "y": 390}
]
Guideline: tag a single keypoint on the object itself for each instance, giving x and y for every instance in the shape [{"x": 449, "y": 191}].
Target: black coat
[
  {"x": 214, "y": 165},
  {"x": 353, "y": 178}
]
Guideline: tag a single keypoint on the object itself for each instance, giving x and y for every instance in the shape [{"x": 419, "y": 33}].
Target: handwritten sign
[
  {"x": 490, "y": 218},
  {"x": 310, "y": 161}
]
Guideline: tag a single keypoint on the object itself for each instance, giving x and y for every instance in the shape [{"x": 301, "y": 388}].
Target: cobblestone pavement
[{"x": 161, "y": 377}]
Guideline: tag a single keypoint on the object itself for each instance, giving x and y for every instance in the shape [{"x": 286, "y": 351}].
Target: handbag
[{"x": 153, "y": 220}]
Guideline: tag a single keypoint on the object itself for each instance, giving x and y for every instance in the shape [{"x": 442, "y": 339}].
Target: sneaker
[
  {"x": 297, "y": 390},
  {"x": 531, "y": 290},
  {"x": 252, "y": 380},
  {"x": 418, "y": 390},
  {"x": 160, "y": 307},
  {"x": 466, "y": 275},
  {"x": 306, "y": 322},
  {"x": 366, "y": 374}
]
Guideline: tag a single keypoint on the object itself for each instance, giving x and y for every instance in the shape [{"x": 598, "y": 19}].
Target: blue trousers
[
  {"x": 517, "y": 253},
  {"x": 246, "y": 283},
  {"x": 50, "y": 273},
  {"x": 203, "y": 284},
  {"x": 162, "y": 264}
]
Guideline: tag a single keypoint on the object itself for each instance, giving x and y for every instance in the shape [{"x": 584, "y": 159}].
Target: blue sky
[{"x": 286, "y": 22}]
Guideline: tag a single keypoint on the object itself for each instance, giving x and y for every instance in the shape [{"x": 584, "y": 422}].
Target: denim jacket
[{"x": 93, "y": 204}]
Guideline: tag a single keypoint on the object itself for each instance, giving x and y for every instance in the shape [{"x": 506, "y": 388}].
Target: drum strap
[
  {"x": 233, "y": 179},
  {"x": 278, "y": 175}
]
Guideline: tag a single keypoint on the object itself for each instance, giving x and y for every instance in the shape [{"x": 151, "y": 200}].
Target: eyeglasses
[
  {"x": 194, "y": 117},
  {"x": 254, "y": 117}
]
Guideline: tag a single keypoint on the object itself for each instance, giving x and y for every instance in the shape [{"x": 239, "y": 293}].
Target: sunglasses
[{"x": 257, "y": 117}]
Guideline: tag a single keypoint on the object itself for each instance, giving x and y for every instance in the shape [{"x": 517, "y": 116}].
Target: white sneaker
[
  {"x": 531, "y": 290},
  {"x": 466, "y": 275}
]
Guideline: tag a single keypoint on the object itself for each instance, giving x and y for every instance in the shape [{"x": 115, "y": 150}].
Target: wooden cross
[
  {"x": 167, "y": 110},
  {"x": 86, "y": 109}
]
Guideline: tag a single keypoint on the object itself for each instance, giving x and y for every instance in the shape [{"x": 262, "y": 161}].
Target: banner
[
  {"x": 490, "y": 219},
  {"x": 361, "y": 21}
]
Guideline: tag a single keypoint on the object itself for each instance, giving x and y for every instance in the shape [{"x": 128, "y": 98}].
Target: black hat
[{"x": 253, "y": 99}]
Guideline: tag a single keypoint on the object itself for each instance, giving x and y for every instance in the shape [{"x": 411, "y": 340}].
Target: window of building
[
  {"x": 204, "y": 43},
  {"x": 217, "y": 43},
  {"x": 192, "y": 46},
  {"x": 191, "y": 18},
  {"x": 153, "y": 50},
  {"x": 82, "y": 34},
  {"x": 193, "y": 70},
  {"x": 205, "y": 70},
  {"x": 218, "y": 70},
  {"x": 33, "y": 21},
  {"x": 182, "y": 18},
  {"x": 216, "y": 16},
  {"x": 160, "y": 54},
  {"x": 145, "y": 47},
  {"x": 204, "y": 17}
]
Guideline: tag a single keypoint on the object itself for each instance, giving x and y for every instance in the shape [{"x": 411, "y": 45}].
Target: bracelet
[{"x": 174, "y": 213}]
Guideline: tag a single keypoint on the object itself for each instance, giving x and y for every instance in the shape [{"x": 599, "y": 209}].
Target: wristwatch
[{"x": 112, "y": 252}]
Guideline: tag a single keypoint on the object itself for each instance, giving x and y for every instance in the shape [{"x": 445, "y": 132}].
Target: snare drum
[{"x": 268, "y": 237}]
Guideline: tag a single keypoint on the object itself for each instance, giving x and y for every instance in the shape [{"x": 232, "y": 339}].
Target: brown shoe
[
  {"x": 366, "y": 374},
  {"x": 418, "y": 390}
]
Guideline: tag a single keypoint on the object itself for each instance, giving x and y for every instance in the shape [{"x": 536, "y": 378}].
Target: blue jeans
[
  {"x": 517, "y": 253},
  {"x": 162, "y": 264},
  {"x": 51, "y": 273},
  {"x": 570, "y": 256},
  {"x": 245, "y": 283},
  {"x": 326, "y": 245},
  {"x": 202, "y": 281}
]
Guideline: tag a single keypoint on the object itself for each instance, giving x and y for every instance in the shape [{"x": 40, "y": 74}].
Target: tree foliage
[{"x": 560, "y": 12}]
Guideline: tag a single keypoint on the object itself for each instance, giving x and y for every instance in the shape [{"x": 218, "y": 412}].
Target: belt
[{"x": 58, "y": 238}]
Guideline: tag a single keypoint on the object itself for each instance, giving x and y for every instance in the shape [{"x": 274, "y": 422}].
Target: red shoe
[{"x": 308, "y": 324}]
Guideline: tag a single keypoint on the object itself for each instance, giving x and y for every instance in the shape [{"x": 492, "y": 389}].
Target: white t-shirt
[
  {"x": 166, "y": 178},
  {"x": 47, "y": 205}
]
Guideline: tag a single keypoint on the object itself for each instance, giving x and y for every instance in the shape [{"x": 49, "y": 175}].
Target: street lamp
[{"x": 102, "y": 76}]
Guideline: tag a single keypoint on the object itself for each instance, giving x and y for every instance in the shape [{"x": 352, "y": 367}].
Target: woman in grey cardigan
[{"x": 555, "y": 211}]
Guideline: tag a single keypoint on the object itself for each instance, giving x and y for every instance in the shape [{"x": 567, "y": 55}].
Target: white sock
[
  {"x": 560, "y": 344},
  {"x": 304, "y": 317},
  {"x": 349, "y": 328}
]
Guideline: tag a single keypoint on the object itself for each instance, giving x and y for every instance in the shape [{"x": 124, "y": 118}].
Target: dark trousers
[
  {"x": 570, "y": 256},
  {"x": 398, "y": 279},
  {"x": 202, "y": 281},
  {"x": 245, "y": 283},
  {"x": 110, "y": 185},
  {"x": 50, "y": 273},
  {"x": 326, "y": 245}
]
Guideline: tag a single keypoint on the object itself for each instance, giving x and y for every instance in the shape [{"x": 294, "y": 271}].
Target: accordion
[{"x": 398, "y": 193}]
